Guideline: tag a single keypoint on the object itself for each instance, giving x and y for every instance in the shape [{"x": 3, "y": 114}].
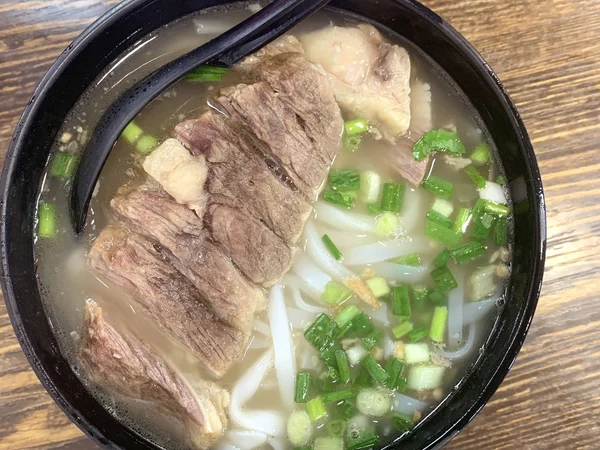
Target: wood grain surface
[{"x": 547, "y": 52}]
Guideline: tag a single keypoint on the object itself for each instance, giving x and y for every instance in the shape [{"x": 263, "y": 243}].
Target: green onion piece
[
  {"x": 331, "y": 380},
  {"x": 302, "y": 387},
  {"x": 374, "y": 402},
  {"x": 316, "y": 409},
  {"x": 344, "y": 180},
  {"x": 401, "y": 384},
  {"x": 328, "y": 443},
  {"x": 346, "y": 315},
  {"x": 343, "y": 366},
  {"x": 481, "y": 154},
  {"x": 438, "y": 186},
  {"x": 351, "y": 143},
  {"x": 377, "y": 372},
  {"x": 344, "y": 199},
  {"x": 359, "y": 327},
  {"x": 394, "y": 368},
  {"x": 386, "y": 224},
  {"x": 321, "y": 333},
  {"x": 479, "y": 208},
  {"x": 496, "y": 209},
  {"x": 425, "y": 377},
  {"x": 146, "y": 144},
  {"x": 331, "y": 247},
  {"x": 483, "y": 226},
  {"x": 501, "y": 180},
  {"x": 361, "y": 439},
  {"x": 363, "y": 379},
  {"x": 374, "y": 209},
  {"x": 401, "y": 423},
  {"x": 443, "y": 207},
  {"x": 416, "y": 353},
  {"x": 392, "y": 197},
  {"x": 411, "y": 260},
  {"x": 442, "y": 259},
  {"x": 206, "y": 73},
  {"x": 345, "y": 409},
  {"x": 501, "y": 232},
  {"x": 467, "y": 252},
  {"x": 475, "y": 176},
  {"x": 378, "y": 286},
  {"x": 336, "y": 428},
  {"x": 299, "y": 428},
  {"x": 419, "y": 295},
  {"x": 337, "y": 396},
  {"x": 443, "y": 279},
  {"x": 356, "y": 126},
  {"x": 335, "y": 293},
  {"x": 438, "y": 324},
  {"x": 418, "y": 333},
  {"x": 371, "y": 340},
  {"x": 441, "y": 233},
  {"x": 64, "y": 165},
  {"x": 437, "y": 298},
  {"x": 463, "y": 217},
  {"x": 370, "y": 186},
  {"x": 400, "y": 301},
  {"x": 402, "y": 329},
  {"x": 132, "y": 133},
  {"x": 438, "y": 140},
  {"x": 436, "y": 217},
  {"x": 46, "y": 220}
]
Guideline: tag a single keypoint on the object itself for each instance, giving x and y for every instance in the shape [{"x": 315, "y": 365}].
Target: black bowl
[{"x": 117, "y": 30}]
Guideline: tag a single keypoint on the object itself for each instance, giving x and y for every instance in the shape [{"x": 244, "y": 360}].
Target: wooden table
[{"x": 547, "y": 52}]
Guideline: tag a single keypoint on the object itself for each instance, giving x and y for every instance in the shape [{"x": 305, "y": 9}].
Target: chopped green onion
[
  {"x": 373, "y": 209},
  {"x": 425, "y": 378},
  {"x": 479, "y": 208},
  {"x": 374, "y": 402},
  {"x": 359, "y": 438},
  {"x": 475, "y": 176},
  {"x": 356, "y": 126},
  {"x": 402, "y": 329},
  {"x": 442, "y": 207},
  {"x": 337, "y": 396},
  {"x": 132, "y": 133},
  {"x": 344, "y": 180},
  {"x": 501, "y": 232},
  {"x": 207, "y": 73},
  {"x": 442, "y": 259},
  {"x": 418, "y": 333},
  {"x": 377, "y": 372},
  {"x": 441, "y": 233},
  {"x": 370, "y": 185},
  {"x": 437, "y": 298},
  {"x": 416, "y": 353},
  {"x": 359, "y": 326},
  {"x": 327, "y": 354},
  {"x": 400, "y": 301},
  {"x": 483, "y": 226},
  {"x": 463, "y": 217},
  {"x": 386, "y": 224},
  {"x": 419, "y": 295},
  {"x": 438, "y": 140},
  {"x": 343, "y": 367},
  {"x": 345, "y": 409},
  {"x": 438, "y": 186},
  {"x": 443, "y": 279},
  {"x": 378, "y": 286},
  {"x": 146, "y": 144},
  {"x": 371, "y": 340},
  {"x": 328, "y": 443},
  {"x": 64, "y": 165},
  {"x": 351, "y": 143},
  {"x": 402, "y": 424},
  {"x": 316, "y": 409},
  {"x": 346, "y": 315},
  {"x": 336, "y": 428},
  {"x": 363, "y": 378},
  {"x": 481, "y": 154},
  {"x": 46, "y": 220},
  {"x": 392, "y": 197},
  {"x": 299, "y": 428},
  {"x": 411, "y": 260},
  {"x": 501, "y": 180},
  {"x": 394, "y": 368},
  {"x": 330, "y": 379},
  {"x": 302, "y": 387},
  {"x": 331, "y": 247},
  {"x": 496, "y": 209},
  {"x": 438, "y": 324},
  {"x": 467, "y": 252},
  {"x": 436, "y": 217},
  {"x": 344, "y": 199},
  {"x": 321, "y": 333}
]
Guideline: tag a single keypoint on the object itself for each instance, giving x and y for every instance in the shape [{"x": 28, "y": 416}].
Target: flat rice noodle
[
  {"x": 300, "y": 319},
  {"x": 467, "y": 350},
  {"x": 295, "y": 285},
  {"x": 351, "y": 238},
  {"x": 475, "y": 311},
  {"x": 384, "y": 250},
  {"x": 344, "y": 220},
  {"x": 414, "y": 208},
  {"x": 311, "y": 274},
  {"x": 262, "y": 327},
  {"x": 403, "y": 404},
  {"x": 379, "y": 315},
  {"x": 246, "y": 439},
  {"x": 323, "y": 258},
  {"x": 399, "y": 273}
]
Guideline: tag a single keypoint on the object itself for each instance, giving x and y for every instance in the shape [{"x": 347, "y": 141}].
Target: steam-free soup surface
[{"x": 393, "y": 287}]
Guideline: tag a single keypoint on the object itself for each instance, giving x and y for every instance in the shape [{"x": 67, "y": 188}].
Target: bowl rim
[{"x": 94, "y": 31}]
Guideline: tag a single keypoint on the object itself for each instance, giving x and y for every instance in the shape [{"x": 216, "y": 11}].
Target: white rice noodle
[
  {"x": 388, "y": 347},
  {"x": 246, "y": 439},
  {"x": 322, "y": 257},
  {"x": 311, "y": 274},
  {"x": 283, "y": 346},
  {"x": 224, "y": 445},
  {"x": 293, "y": 281},
  {"x": 205, "y": 25},
  {"x": 343, "y": 220},
  {"x": 300, "y": 319},
  {"x": 349, "y": 238},
  {"x": 456, "y": 300},
  {"x": 383, "y": 250},
  {"x": 259, "y": 342},
  {"x": 413, "y": 208},
  {"x": 262, "y": 327},
  {"x": 403, "y": 404},
  {"x": 493, "y": 192},
  {"x": 379, "y": 315},
  {"x": 399, "y": 273},
  {"x": 267, "y": 421},
  {"x": 467, "y": 349},
  {"x": 278, "y": 443},
  {"x": 473, "y": 312},
  {"x": 294, "y": 284},
  {"x": 309, "y": 360}
]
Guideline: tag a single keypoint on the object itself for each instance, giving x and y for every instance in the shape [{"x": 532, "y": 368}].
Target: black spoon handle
[{"x": 258, "y": 30}]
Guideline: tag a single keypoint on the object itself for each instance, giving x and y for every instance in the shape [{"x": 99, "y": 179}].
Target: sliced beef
[
  {"x": 124, "y": 364},
  {"x": 136, "y": 266},
  {"x": 181, "y": 237},
  {"x": 242, "y": 178}
]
